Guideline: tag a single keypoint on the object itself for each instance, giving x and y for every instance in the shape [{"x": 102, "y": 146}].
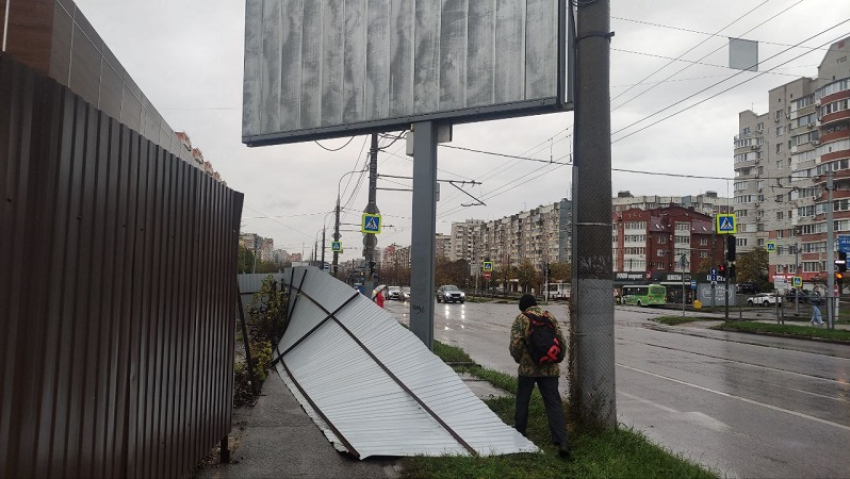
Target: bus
[
  {"x": 645, "y": 295},
  {"x": 559, "y": 291}
]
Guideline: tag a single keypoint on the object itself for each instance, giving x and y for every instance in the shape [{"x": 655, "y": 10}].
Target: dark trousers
[{"x": 551, "y": 399}]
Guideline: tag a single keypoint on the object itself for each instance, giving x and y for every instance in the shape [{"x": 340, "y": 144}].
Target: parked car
[
  {"x": 764, "y": 299},
  {"x": 450, "y": 293},
  {"x": 748, "y": 287},
  {"x": 805, "y": 296},
  {"x": 394, "y": 292}
]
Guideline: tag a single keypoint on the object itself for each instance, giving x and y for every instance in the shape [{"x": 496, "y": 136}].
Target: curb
[{"x": 788, "y": 336}]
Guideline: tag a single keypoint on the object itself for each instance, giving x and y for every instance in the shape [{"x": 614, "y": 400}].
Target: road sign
[
  {"x": 713, "y": 275},
  {"x": 336, "y": 246},
  {"x": 693, "y": 285},
  {"x": 844, "y": 243},
  {"x": 486, "y": 275},
  {"x": 797, "y": 282},
  {"x": 371, "y": 224},
  {"x": 487, "y": 266},
  {"x": 726, "y": 224},
  {"x": 770, "y": 246}
]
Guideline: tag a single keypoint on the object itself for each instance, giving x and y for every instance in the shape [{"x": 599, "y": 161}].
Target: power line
[
  {"x": 334, "y": 149},
  {"x": 719, "y": 93},
  {"x": 312, "y": 237},
  {"x": 503, "y": 155},
  {"x": 692, "y": 62},
  {"x": 660, "y": 25},
  {"x": 709, "y": 53},
  {"x": 691, "y": 49}
]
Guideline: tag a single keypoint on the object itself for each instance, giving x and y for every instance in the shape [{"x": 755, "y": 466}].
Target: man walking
[
  {"x": 542, "y": 371},
  {"x": 816, "y": 317}
]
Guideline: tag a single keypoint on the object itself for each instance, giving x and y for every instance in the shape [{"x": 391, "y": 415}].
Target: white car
[{"x": 764, "y": 299}]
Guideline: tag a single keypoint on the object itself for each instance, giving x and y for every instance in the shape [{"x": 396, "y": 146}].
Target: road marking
[
  {"x": 842, "y": 399},
  {"x": 734, "y": 361},
  {"x": 647, "y": 401},
  {"x": 749, "y": 401}
]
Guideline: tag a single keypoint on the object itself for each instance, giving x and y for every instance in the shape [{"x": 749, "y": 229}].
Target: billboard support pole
[
  {"x": 424, "y": 228},
  {"x": 592, "y": 386}
]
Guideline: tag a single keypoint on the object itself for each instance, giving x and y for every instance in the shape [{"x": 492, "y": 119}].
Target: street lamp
[{"x": 336, "y": 221}]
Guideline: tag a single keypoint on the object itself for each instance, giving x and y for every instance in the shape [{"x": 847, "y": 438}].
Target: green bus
[{"x": 645, "y": 295}]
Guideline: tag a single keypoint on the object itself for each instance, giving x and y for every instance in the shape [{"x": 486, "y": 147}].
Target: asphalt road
[{"x": 743, "y": 405}]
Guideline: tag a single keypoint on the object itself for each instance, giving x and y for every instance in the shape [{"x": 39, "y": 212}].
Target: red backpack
[{"x": 542, "y": 341}]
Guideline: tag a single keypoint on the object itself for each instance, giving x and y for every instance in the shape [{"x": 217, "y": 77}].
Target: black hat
[{"x": 526, "y": 302}]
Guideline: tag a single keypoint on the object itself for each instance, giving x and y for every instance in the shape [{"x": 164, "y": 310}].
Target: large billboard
[{"x": 326, "y": 68}]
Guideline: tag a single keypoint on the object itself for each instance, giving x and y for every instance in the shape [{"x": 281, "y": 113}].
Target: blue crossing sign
[
  {"x": 726, "y": 224},
  {"x": 371, "y": 224},
  {"x": 487, "y": 266},
  {"x": 336, "y": 246},
  {"x": 713, "y": 275},
  {"x": 797, "y": 282},
  {"x": 771, "y": 246},
  {"x": 844, "y": 243}
]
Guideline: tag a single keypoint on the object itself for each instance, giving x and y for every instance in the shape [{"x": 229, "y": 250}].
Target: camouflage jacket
[{"x": 519, "y": 348}]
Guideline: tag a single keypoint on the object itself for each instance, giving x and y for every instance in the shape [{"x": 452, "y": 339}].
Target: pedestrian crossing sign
[
  {"x": 371, "y": 224},
  {"x": 771, "y": 246},
  {"x": 726, "y": 224},
  {"x": 487, "y": 266},
  {"x": 797, "y": 282},
  {"x": 336, "y": 246}
]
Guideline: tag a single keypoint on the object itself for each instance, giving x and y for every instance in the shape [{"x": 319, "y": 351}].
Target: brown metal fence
[{"x": 117, "y": 293}]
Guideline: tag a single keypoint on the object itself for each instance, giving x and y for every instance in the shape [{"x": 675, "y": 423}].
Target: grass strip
[
  {"x": 674, "y": 320},
  {"x": 620, "y": 453},
  {"x": 787, "y": 330}
]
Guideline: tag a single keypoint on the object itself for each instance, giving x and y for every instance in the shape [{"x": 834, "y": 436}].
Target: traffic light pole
[
  {"x": 830, "y": 255},
  {"x": 726, "y": 279}
]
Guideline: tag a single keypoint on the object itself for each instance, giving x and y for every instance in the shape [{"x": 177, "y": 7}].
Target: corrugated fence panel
[{"x": 116, "y": 359}]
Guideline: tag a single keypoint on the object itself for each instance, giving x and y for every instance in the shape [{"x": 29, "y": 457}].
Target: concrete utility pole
[
  {"x": 371, "y": 240},
  {"x": 830, "y": 255},
  {"x": 592, "y": 388},
  {"x": 336, "y": 235}
]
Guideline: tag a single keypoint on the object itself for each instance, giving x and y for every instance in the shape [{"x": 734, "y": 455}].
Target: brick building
[{"x": 654, "y": 241}]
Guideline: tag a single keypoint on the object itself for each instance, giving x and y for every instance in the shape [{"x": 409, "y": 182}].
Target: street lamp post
[{"x": 337, "y": 211}]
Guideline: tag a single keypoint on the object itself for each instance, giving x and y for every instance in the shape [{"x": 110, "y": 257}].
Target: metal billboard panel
[
  {"x": 372, "y": 386},
  {"x": 324, "y": 68}
]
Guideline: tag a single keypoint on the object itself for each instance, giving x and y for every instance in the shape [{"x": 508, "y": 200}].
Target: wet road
[{"x": 744, "y": 405}]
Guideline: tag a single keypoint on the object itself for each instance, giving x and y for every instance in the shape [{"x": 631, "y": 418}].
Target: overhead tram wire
[
  {"x": 691, "y": 49},
  {"x": 688, "y": 30},
  {"x": 692, "y": 62},
  {"x": 718, "y": 93},
  {"x": 704, "y": 56},
  {"x": 312, "y": 237}
]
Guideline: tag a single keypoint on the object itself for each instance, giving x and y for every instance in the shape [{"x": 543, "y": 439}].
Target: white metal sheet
[{"x": 377, "y": 385}]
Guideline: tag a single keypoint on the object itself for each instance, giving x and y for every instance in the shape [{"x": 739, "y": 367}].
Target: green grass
[
  {"x": 674, "y": 320},
  {"x": 787, "y": 330},
  {"x": 620, "y": 453}
]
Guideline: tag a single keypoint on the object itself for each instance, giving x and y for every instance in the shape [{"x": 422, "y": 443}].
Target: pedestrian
[
  {"x": 379, "y": 298},
  {"x": 531, "y": 373},
  {"x": 816, "y": 317}
]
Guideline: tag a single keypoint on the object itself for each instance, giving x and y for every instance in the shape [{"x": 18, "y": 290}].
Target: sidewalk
[{"x": 276, "y": 438}]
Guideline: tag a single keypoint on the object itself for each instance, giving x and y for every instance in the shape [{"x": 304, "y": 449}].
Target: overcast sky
[{"x": 187, "y": 56}]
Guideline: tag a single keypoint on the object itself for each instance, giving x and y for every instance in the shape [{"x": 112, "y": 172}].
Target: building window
[
  {"x": 703, "y": 241},
  {"x": 741, "y": 241},
  {"x": 661, "y": 253},
  {"x": 703, "y": 254},
  {"x": 780, "y": 215},
  {"x": 779, "y": 147},
  {"x": 760, "y": 127},
  {"x": 683, "y": 226},
  {"x": 760, "y": 242},
  {"x": 780, "y": 165},
  {"x": 662, "y": 240},
  {"x": 745, "y": 131},
  {"x": 683, "y": 240},
  {"x": 780, "y": 130}
]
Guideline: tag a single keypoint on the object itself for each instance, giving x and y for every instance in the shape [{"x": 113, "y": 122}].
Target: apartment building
[
  {"x": 443, "y": 246},
  {"x": 782, "y": 158},
  {"x": 707, "y": 203},
  {"x": 539, "y": 235},
  {"x": 655, "y": 241}
]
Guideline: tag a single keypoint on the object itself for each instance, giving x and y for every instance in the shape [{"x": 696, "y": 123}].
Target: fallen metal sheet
[{"x": 372, "y": 386}]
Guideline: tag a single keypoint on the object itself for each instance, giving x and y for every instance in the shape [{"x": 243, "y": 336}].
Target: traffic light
[
  {"x": 838, "y": 277},
  {"x": 730, "y": 247},
  {"x": 721, "y": 269},
  {"x": 841, "y": 262}
]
